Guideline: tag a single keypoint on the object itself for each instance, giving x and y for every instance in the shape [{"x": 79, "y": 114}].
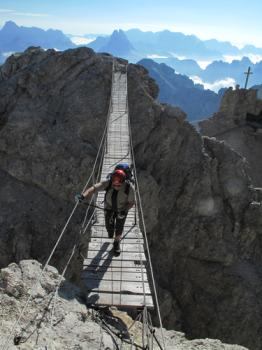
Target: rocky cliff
[
  {"x": 203, "y": 216},
  {"x": 204, "y": 226},
  {"x": 239, "y": 123}
]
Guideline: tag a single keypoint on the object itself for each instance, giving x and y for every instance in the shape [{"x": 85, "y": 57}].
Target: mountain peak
[
  {"x": 18, "y": 38},
  {"x": 118, "y": 44},
  {"x": 119, "y": 33},
  {"x": 10, "y": 25}
]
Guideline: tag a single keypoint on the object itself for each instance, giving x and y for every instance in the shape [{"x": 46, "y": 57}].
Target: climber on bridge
[{"x": 119, "y": 198}]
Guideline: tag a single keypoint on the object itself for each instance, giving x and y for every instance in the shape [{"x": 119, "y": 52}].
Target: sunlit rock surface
[
  {"x": 239, "y": 123},
  {"x": 61, "y": 320}
]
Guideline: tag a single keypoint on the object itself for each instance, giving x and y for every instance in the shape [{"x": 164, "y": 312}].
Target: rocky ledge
[{"x": 62, "y": 320}]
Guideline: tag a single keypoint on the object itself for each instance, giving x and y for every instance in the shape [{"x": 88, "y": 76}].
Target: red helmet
[{"x": 118, "y": 176}]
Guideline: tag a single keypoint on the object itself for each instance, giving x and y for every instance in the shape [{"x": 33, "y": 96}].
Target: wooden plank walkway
[{"x": 109, "y": 279}]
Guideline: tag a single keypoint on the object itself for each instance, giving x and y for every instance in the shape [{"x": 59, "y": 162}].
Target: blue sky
[{"x": 238, "y": 21}]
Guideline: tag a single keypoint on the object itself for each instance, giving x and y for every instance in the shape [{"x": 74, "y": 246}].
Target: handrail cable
[
  {"x": 144, "y": 227},
  {"x": 64, "y": 271},
  {"x": 81, "y": 233},
  {"x": 5, "y": 344},
  {"x": 139, "y": 246},
  {"x": 16, "y": 323}
]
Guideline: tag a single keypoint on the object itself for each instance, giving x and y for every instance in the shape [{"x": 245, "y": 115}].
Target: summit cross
[{"x": 247, "y": 77}]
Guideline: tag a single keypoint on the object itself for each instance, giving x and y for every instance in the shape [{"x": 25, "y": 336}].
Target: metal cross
[{"x": 248, "y": 74}]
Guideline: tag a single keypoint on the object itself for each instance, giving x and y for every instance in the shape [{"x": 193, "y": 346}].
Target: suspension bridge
[{"x": 121, "y": 280}]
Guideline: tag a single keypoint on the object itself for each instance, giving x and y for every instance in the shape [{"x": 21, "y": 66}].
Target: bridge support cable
[{"x": 144, "y": 227}]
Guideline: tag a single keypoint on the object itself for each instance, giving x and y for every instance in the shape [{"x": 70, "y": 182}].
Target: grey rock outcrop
[
  {"x": 202, "y": 213},
  {"x": 61, "y": 320},
  {"x": 52, "y": 110},
  {"x": 239, "y": 123},
  {"x": 205, "y": 227}
]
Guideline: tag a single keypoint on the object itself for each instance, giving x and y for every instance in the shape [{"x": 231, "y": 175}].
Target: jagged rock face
[
  {"x": 58, "y": 321},
  {"x": 239, "y": 123},
  {"x": 61, "y": 320},
  {"x": 53, "y": 108},
  {"x": 203, "y": 218},
  {"x": 204, "y": 226}
]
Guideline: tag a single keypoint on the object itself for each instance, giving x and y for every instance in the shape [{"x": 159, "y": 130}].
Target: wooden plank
[
  {"x": 104, "y": 234},
  {"x": 113, "y": 263},
  {"x": 126, "y": 235},
  {"x": 130, "y": 220},
  {"x": 125, "y": 247},
  {"x": 117, "y": 287},
  {"x": 110, "y": 255},
  {"x": 102, "y": 268},
  {"x": 124, "y": 300},
  {"x": 118, "y": 158},
  {"x": 112, "y": 275},
  {"x": 109, "y": 240}
]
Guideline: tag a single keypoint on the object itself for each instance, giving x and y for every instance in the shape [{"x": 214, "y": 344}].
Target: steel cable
[{"x": 144, "y": 229}]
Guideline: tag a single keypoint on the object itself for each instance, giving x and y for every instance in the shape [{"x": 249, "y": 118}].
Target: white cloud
[
  {"x": 79, "y": 40},
  {"x": 204, "y": 64},
  {"x": 253, "y": 57},
  {"x": 26, "y": 14},
  {"x": 6, "y": 10},
  {"x": 173, "y": 54},
  {"x": 31, "y": 14},
  {"x": 7, "y": 54},
  {"x": 227, "y": 82},
  {"x": 230, "y": 58},
  {"x": 155, "y": 56}
]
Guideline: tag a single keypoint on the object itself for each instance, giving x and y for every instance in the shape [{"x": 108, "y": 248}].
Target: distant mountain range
[
  {"x": 166, "y": 43},
  {"x": 14, "y": 38},
  {"x": 217, "y": 70},
  {"x": 135, "y": 45},
  {"x": 179, "y": 90},
  {"x": 163, "y": 47}
]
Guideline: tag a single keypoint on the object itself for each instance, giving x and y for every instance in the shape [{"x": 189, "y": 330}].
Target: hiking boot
[
  {"x": 110, "y": 234},
  {"x": 117, "y": 247}
]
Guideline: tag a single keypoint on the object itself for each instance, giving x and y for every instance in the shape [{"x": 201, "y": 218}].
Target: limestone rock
[
  {"x": 61, "y": 320},
  {"x": 239, "y": 123},
  {"x": 53, "y": 107},
  {"x": 208, "y": 230}
]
